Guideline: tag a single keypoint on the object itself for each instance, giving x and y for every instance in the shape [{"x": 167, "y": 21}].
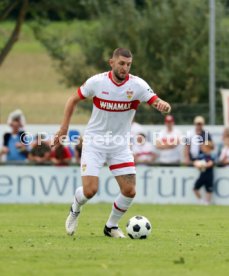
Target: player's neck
[{"x": 115, "y": 79}]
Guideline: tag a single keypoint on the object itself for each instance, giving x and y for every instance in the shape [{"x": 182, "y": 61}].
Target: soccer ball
[{"x": 138, "y": 227}]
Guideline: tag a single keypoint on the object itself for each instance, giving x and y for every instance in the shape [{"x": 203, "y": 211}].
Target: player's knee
[
  {"x": 130, "y": 192},
  {"x": 90, "y": 192}
]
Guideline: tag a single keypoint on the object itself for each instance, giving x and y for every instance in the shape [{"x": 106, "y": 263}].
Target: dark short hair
[{"x": 122, "y": 52}]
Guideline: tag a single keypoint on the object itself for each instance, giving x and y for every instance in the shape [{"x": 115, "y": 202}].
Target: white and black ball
[{"x": 138, "y": 227}]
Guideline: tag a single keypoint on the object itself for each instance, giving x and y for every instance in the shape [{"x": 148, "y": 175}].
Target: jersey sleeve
[
  {"x": 87, "y": 89},
  {"x": 146, "y": 93}
]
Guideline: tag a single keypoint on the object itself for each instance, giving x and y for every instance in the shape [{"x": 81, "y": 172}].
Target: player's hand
[
  {"x": 163, "y": 106},
  {"x": 59, "y": 137}
]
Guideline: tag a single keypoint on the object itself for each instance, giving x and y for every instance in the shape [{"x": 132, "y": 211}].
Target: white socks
[
  {"x": 79, "y": 200},
  {"x": 121, "y": 204}
]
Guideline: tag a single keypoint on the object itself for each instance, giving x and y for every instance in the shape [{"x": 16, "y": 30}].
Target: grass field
[
  {"x": 186, "y": 240},
  {"x": 29, "y": 80}
]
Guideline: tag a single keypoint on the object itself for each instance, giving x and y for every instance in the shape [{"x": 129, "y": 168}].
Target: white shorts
[{"x": 120, "y": 163}]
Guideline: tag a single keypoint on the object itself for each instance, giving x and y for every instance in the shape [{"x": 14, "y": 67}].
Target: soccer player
[{"x": 116, "y": 95}]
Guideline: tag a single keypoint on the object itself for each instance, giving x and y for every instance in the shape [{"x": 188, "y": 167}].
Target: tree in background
[
  {"x": 169, "y": 40},
  {"x": 20, "y": 10},
  {"x": 6, "y": 8}
]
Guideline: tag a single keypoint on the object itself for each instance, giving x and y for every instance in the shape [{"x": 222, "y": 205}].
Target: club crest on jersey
[
  {"x": 129, "y": 94},
  {"x": 84, "y": 167}
]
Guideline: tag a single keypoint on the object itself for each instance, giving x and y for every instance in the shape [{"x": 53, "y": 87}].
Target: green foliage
[
  {"x": 169, "y": 40},
  {"x": 57, "y": 10},
  {"x": 222, "y": 50},
  {"x": 3, "y": 5}
]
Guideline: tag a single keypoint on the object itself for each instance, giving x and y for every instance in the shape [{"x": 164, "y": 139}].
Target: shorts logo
[
  {"x": 105, "y": 92},
  {"x": 130, "y": 94},
  {"x": 84, "y": 167}
]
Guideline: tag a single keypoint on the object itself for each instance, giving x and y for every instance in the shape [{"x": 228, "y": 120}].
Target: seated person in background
[
  {"x": 204, "y": 163},
  {"x": 78, "y": 150},
  {"x": 41, "y": 151},
  {"x": 168, "y": 143},
  {"x": 61, "y": 156},
  {"x": 14, "y": 142},
  {"x": 143, "y": 151},
  {"x": 224, "y": 154}
]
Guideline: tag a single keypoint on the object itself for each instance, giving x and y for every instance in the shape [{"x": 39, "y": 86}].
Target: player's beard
[{"x": 118, "y": 76}]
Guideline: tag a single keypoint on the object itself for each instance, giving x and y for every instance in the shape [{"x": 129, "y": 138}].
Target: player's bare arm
[
  {"x": 162, "y": 106},
  {"x": 68, "y": 111}
]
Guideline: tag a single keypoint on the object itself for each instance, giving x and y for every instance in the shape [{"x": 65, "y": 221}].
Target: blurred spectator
[
  {"x": 204, "y": 163},
  {"x": 14, "y": 142},
  {"x": 41, "y": 150},
  {"x": 61, "y": 156},
  {"x": 78, "y": 150},
  {"x": 143, "y": 151},
  {"x": 168, "y": 143},
  {"x": 136, "y": 128},
  {"x": 224, "y": 154},
  {"x": 73, "y": 135},
  {"x": 195, "y": 139}
]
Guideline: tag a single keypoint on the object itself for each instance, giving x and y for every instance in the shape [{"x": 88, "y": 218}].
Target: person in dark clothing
[
  {"x": 204, "y": 163},
  {"x": 195, "y": 138}
]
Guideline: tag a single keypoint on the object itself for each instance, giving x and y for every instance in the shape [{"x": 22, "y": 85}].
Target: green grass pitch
[{"x": 186, "y": 240}]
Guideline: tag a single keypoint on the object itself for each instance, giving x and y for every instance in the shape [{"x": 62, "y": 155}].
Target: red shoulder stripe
[{"x": 80, "y": 94}]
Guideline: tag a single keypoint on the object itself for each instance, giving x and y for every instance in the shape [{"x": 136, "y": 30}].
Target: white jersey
[
  {"x": 224, "y": 156},
  {"x": 144, "y": 152},
  {"x": 170, "y": 155},
  {"x": 114, "y": 107}
]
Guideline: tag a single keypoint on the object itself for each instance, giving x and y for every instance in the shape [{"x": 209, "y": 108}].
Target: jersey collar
[{"x": 118, "y": 84}]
